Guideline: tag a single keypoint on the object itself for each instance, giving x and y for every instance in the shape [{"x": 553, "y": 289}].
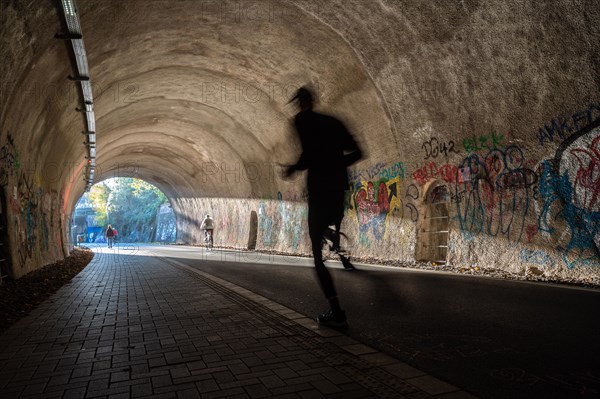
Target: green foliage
[
  {"x": 98, "y": 197},
  {"x": 130, "y": 205}
]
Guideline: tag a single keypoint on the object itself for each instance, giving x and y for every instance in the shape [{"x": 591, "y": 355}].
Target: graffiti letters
[
  {"x": 490, "y": 142},
  {"x": 536, "y": 257},
  {"x": 569, "y": 192},
  {"x": 282, "y": 221},
  {"x": 448, "y": 173},
  {"x": 396, "y": 170},
  {"x": 562, "y": 127},
  {"x": 586, "y": 184},
  {"x": 433, "y": 148},
  {"x": 372, "y": 204},
  {"x": 531, "y": 231},
  {"x": 497, "y": 195}
]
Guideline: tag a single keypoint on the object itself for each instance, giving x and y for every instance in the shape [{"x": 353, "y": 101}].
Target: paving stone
[
  {"x": 188, "y": 394},
  {"x": 107, "y": 392},
  {"x": 119, "y": 376},
  {"x": 74, "y": 393},
  {"x": 97, "y": 385},
  {"x": 456, "y": 395},
  {"x": 59, "y": 380},
  {"x": 139, "y": 326},
  {"x": 225, "y": 393},
  {"x": 207, "y": 386},
  {"x": 140, "y": 390},
  {"x": 431, "y": 385},
  {"x": 312, "y": 394},
  {"x": 33, "y": 389}
]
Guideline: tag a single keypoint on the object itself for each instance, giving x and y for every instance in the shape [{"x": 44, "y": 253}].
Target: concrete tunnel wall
[{"x": 475, "y": 110}]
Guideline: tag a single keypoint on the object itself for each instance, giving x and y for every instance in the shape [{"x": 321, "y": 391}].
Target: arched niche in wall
[
  {"x": 253, "y": 235},
  {"x": 433, "y": 227}
]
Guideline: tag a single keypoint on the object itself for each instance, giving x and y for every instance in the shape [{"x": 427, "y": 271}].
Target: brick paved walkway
[{"x": 132, "y": 326}]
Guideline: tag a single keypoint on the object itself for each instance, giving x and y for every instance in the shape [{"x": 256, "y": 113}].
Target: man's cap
[{"x": 302, "y": 94}]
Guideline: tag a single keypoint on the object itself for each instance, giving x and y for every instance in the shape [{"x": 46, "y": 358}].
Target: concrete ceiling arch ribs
[
  {"x": 194, "y": 141},
  {"x": 179, "y": 118},
  {"x": 122, "y": 165},
  {"x": 128, "y": 164},
  {"x": 309, "y": 8},
  {"x": 165, "y": 61}
]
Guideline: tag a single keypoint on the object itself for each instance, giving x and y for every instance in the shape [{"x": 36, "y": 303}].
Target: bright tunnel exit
[{"x": 137, "y": 211}]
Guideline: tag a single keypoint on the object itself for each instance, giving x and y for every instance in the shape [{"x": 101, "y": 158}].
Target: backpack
[{"x": 109, "y": 233}]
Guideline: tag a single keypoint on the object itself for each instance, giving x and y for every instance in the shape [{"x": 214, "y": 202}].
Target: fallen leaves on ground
[{"x": 21, "y": 296}]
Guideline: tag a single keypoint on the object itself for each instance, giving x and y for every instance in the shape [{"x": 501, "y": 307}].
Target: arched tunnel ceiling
[
  {"x": 180, "y": 88},
  {"x": 181, "y": 84},
  {"x": 179, "y": 92}
]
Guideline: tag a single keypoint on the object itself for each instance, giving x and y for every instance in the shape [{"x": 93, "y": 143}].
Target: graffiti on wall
[
  {"x": 373, "y": 203},
  {"x": 282, "y": 221},
  {"x": 35, "y": 211},
  {"x": 28, "y": 209},
  {"x": 447, "y": 172},
  {"x": 434, "y": 148},
  {"x": 569, "y": 191},
  {"x": 9, "y": 160},
  {"x": 38, "y": 212},
  {"x": 561, "y": 128},
  {"x": 379, "y": 171},
  {"x": 377, "y": 195},
  {"x": 484, "y": 142},
  {"x": 496, "y": 191},
  {"x": 496, "y": 196},
  {"x": 537, "y": 257}
]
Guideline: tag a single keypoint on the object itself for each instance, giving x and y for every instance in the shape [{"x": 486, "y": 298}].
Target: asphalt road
[{"x": 493, "y": 338}]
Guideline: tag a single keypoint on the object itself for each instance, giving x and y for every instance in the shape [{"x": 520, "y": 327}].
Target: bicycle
[{"x": 208, "y": 238}]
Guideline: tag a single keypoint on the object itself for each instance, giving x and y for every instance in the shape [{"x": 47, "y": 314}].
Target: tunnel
[
  {"x": 478, "y": 120},
  {"x": 135, "y": 209}
]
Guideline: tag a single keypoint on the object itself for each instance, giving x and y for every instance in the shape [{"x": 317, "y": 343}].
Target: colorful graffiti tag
[
  {"x": 537, "y": 257},
  {"x": 36, "y": 221},
  {"x": 379, "y": 171},
  {"x": 282, "y": 221},
  {"x": 484, "y": 142},
  {"x": 561, "y": 128},
  {"x": 569, "y": 190},
  {"x": 448, "y": 173},
  {"x": 35, "y": 214},
  {"x": 375, "y": 201},
  {"x": 497, "y": 194}
]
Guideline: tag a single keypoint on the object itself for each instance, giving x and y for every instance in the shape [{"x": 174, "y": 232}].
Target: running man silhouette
[{"x": 328, "y": 149}]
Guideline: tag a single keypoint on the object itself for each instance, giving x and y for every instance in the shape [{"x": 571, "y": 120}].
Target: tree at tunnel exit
[
  {"x": 130, "y": 205},
  {"x": 98, "y": 198}
]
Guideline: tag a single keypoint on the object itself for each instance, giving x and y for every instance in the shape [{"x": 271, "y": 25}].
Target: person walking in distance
[
  {"x": 328, "y": 149},
  {"x": 110, "y": 236},
  {"x": 208, "y": 225}
]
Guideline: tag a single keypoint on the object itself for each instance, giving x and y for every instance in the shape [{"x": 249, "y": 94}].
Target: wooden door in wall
[
  {"x": 434, "y": 226},
  {"x": 253, "y": 230}
]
